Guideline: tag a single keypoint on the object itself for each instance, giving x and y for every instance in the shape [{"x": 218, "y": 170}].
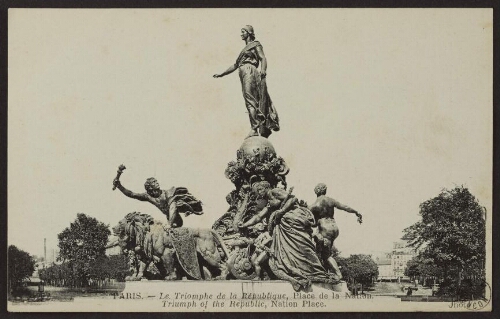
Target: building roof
[{"x": 382, "y": 261}]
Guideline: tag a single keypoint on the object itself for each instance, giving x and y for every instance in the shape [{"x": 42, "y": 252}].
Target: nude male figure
[
  {"x": 323, "y": 210},
  {"x": 170, "y": 202}
]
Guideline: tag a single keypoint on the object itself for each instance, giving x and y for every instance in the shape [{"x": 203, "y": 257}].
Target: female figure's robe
[
  {"x": 293, "y": 252},
  {"x": 261, "y": 111}
]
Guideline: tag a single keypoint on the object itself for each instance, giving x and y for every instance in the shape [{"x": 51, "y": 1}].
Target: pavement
[{"x": 394, "y": 289}]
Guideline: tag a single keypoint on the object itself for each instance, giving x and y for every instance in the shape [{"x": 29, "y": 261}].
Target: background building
[
  {"x": 391, "y": 266},
  {"x": 401, "y": 254},
  {"x": 384, "y": 264}
]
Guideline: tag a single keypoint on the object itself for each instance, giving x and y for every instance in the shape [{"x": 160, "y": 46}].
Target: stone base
[
  {"x": 231, "y": 295},
  {"x": 155, "y": 287},
  {"x": 222, "y": 296}
]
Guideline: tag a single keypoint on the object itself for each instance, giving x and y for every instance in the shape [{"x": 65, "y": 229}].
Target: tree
[
  {"x": 81, "y": 244},
  {"x": 57, "y": 275},
  {"x": 358, "y": 269},
  {"x": 421, "y": 267},
  {"x": 101, "y": 269},
  {"x": 21, "y": 266},
  {"x": 118, "y": 267},
  {"x": 451, "y": 233},
  {"x": 112, "y": 267}
]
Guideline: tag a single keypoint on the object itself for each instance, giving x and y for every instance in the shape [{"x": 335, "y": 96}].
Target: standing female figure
[{"x": 263, "y": 116}]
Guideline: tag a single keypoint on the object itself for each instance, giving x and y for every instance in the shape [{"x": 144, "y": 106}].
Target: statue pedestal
[
  {"x": 228, "y": 296},
  {"x": 155, "y": 287},
  {"x": 232, "y": 295}
]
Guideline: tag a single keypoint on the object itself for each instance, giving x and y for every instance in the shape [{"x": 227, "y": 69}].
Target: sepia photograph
[{"x": 250, "y": 160}]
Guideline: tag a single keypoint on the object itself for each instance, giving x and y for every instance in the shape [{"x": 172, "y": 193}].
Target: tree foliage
[
  {"x": 57, "y": 275},
  {"x": 81, "y": 244},
  {"x": 115, "y": 267},
  {"x": 452, "y": 228},
  {"x": 422, "y": 267},
  {"x": 21, "y": 266},
  {"x": 358, "y": 269},
  {"x": 102, "y": 268},
  {"x": 450, "y": 235}
]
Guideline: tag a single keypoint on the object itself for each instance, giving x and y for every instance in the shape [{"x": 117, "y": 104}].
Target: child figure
[{"x": 261, "y": 244}]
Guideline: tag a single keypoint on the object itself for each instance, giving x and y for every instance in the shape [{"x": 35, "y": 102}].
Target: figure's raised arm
[
  {"x": 349, "y": 210},
  {"x": 140, "y": 196},
  {"x": 344, "y": 207},
  {"x": 230, "y": 70}
]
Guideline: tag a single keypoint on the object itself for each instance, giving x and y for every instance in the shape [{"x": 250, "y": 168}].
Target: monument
[
  {"x": 266, "y": 234},
  {"x": 263, "y": 116}
]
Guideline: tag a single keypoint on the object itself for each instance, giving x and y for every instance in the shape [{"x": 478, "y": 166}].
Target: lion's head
[{"x": 131, "y": 230}]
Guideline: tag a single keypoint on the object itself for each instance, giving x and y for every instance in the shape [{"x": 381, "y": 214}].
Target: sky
[{"x": 386, "y": 106}]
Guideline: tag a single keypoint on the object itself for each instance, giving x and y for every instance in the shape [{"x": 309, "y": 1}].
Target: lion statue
[{"x": 176, "y": 252}]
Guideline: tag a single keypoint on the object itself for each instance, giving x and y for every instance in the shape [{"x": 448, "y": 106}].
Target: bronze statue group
[{"x": 265, "y": 226}]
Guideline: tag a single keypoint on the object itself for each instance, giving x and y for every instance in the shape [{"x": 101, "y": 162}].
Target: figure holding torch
[
  {"x": 171, "y": 202},
  {"x": 121, "y": 168}
]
